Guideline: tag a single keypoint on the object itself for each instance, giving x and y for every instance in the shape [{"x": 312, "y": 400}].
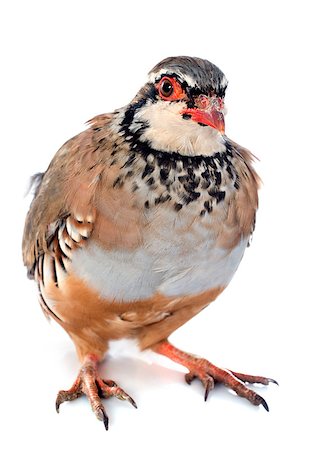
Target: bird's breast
[
  {"x": 168, "y": 218},
  {"x": 175, "y": 258}
]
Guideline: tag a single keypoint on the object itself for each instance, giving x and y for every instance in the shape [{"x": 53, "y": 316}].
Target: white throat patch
[{"x": 168, "y": 131}]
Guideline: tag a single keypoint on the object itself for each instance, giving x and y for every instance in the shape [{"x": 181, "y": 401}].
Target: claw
[
  {"x": 105, "y": 420},
  {"x": 132, "y": 402},
  {"x": 210, "y": 384},
  {"x": 58, "y": 404},
  {"x": 270, "y": 380},
  {"x": 59, "y": 401},
  {"x": 265, "y": 405},
  {"x": 206, "y": 393}
]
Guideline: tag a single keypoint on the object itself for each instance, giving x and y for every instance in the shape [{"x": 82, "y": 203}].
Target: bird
[{"x": 140, "y": 222}]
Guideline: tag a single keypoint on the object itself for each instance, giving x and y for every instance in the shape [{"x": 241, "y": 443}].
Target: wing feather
[{"x": 62, "y": 214}]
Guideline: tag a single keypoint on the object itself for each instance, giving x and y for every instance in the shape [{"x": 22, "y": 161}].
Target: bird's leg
[
  {"x": 209, "y": 374},
  {"x": 90, "y": 384}
]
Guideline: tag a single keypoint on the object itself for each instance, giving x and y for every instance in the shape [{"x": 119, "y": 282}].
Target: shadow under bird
[{"x": 140, "y": 222}]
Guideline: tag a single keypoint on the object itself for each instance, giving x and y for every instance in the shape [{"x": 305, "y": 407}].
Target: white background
[{"x": 64, "y": 62}]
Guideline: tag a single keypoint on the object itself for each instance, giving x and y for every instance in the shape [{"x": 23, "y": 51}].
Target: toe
[
  {"x": 189, "y": 377},
  {"x": 100, "y": 413},
  {"x": 64, "y": 396},
  {"x": 208, "y": 384},
  {"x": 108, "y": 388},
  {"x": 252, "y": 379}
]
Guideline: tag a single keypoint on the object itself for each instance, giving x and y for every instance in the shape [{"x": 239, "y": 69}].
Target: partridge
[{"x": 140, "y": 222}]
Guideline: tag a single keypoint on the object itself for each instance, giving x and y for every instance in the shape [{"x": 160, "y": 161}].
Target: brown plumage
[{"x": 140, "y": 222}]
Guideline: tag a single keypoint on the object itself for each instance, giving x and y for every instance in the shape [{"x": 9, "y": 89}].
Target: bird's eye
[
  {"x": 166, "y": 88},
  {"x": 170, "y": 89}
]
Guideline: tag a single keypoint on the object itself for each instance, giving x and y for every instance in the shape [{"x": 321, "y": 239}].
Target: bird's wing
[
  {"x": 246, "y": 199},
  {"x": 242, "y": 207},
  {"x": 63, "y": 212}
]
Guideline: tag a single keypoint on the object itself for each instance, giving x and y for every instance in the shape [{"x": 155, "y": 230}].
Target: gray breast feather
[{"x": 131, "y": 275}]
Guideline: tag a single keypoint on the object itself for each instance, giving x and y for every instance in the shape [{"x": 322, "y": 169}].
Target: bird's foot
[
  {"x": 90, "y": 384},
  {"x": 209, "y": 374}
]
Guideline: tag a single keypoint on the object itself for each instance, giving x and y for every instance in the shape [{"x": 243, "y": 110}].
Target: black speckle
[
  {"x": 202, "y": 213},
  {"x": 212, "y": 163},
  {"x": 135, "y": 187},
  {"x": 129, "y": 174},
  {"x": 148, "y": 170},
  {"x": 190, "y": 187},
  {"x": 101, "y": 142},
  {"x": 218, "y": 195},
  {"x": 186, "y": 116},
  {"x": 183, "y": 179},
  {"x": 191, "y": 172},
  {"x": 205, "y": 174},
  {"x": 208, "y": 206},
  {"x": 130, "y": 161},
  {"x": 218, "y": 177},
  {"x": 186, "y": 162},
  {"x": 229, "y": 171},
  {"x": 54, "y": 272},
  {"x": 166, "y": 160},
  {"x": 228, "y": 150},
  {"x": 162, "y": 199},
  {"x": 205, "y": 184},
  {"x": 164, "y": 174},
  {"x": 118, "y": 182},
  {"x": 147, "y": 204},
  {"x": 220, "y": 159},
  {"x": 192, "y": 196},
  {"x": 202, "y": 124},
  {"x": 150, "y": 181},
  {"x": 177, "y": 206}
]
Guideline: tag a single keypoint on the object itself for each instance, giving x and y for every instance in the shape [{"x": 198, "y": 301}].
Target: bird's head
[{"x": 180, "y": 108}]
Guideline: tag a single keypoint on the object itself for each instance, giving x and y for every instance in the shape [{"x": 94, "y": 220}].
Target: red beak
[{"x": 210, "y": 116}]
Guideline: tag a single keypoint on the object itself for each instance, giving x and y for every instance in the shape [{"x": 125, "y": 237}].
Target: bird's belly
[{"x": 172, "y": 265}]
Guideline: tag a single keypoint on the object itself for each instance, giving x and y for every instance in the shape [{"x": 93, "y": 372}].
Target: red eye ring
[{"x": 170, "y": 89}]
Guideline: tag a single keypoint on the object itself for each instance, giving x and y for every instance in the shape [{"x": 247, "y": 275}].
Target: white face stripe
[{"x": 154, "y": 77}]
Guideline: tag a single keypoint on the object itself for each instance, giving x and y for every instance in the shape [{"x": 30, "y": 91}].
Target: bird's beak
[{"x": 209, "y": 112}]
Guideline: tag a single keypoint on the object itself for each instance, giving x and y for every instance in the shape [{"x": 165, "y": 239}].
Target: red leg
[
  {"x": 209, "y": 374},
  {"x": 90, "y": 384}
]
